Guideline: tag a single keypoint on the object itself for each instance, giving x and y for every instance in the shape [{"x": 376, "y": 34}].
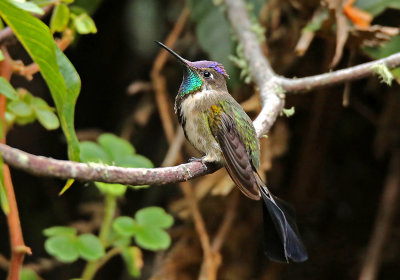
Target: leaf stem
[{"x": 92, "y": 266}]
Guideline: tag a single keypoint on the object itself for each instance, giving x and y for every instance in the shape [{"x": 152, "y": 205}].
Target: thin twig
[
  {"x": 337, "y": 77},
  {"x": 383, "y": 222}
]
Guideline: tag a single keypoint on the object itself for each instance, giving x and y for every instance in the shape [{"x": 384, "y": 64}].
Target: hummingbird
[{"x": 217, "y": 126}]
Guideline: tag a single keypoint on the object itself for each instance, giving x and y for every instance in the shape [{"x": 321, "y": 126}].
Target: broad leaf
[
  {"x": 115, "y": 146},
  {"x": 125, "y": 226},
  {"x": 90, "y": 247},
  {"x": 154, "y": 216},
  {"x": 152, "y": 238},
  {"x": 92, "y": 152},
  {"x": 63, "y": 247}
]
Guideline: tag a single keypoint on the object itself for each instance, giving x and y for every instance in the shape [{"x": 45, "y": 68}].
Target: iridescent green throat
[{"x": 191, "y": 82}]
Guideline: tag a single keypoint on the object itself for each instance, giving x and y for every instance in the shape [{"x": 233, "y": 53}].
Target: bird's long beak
[{"x": 181, "y": 59}]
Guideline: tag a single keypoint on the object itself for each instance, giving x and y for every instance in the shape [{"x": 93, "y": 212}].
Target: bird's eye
[{"x": 207, "y": 74}]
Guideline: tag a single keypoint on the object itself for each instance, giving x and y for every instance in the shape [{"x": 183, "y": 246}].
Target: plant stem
[
  {"x": 18, "y": 248},
  {"x": 109, "y": 212}
]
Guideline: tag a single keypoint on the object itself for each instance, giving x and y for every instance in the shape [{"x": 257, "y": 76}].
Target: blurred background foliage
[{"x": 329, "y": 160}]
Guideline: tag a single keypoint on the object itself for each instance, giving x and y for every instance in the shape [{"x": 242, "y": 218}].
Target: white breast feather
[{"x": 196, "y": 127}]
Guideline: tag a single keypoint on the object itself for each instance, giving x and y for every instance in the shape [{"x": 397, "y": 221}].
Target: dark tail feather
[{"x": 282, "y": 240}]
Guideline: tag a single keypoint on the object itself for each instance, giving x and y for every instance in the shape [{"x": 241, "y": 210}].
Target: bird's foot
[{"x": 209, "y": 165}]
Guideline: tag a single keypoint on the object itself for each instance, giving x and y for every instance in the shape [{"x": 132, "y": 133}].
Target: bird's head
[{"x": 200, "y": 75}]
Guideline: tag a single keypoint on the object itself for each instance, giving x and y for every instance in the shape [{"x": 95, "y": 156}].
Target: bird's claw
[{"x": 202, "y": 160}]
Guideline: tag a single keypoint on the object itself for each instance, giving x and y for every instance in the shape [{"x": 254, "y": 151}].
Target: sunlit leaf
[
  {"x": 47, "y": 118},
  {"x": 7, "y": 90},
  {"x": 59, "y": 18},
  {"x": 84, "y": 24},
  {"x": 29, "y": 7}
]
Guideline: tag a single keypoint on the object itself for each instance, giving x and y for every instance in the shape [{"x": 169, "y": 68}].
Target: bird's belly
[{"x": 199, "y": 134}]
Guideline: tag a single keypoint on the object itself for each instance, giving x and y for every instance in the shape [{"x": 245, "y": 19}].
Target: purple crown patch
[{"x": 210, "y": 64}]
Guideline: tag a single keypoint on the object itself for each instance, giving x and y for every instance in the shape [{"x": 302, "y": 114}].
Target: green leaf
[
  {"x": 63, "y": 247},
  {"x": 7, "y": 89},
  {"x": 25, "y": 120},
  {"x": 90, "y": 247},
  {"x": 48, "y": 119},
  {"x": 56, "y": 69},
  {"x": 39, "y": 103},
  {"x": 112, "y": 189},
  {"x": 1, "y": 53},
  {"x": 29, "y": 7},
  {"x": 125, "y": 226},
  {"x": 59, "y": 230},
  {"x": 84, "y": 24},
  {"x": 134, "y": 161},
  {"x": 59, "y": 18},
  {"x": 152, "y": 238},
  {"x": 92, "y": 152},
  {"x": 20, "y": 108},
  {"x": 375, "y": 7},
  {"x": 288, "y": 112},
  {"x": 28, "y": 274},
  {"x": 66, "y": 103},
  {"x": 115, "y": 146},
  {"x": 389, "y": 48},
  {"x": 5, "y": 205},
  {"x": 42, "y": 3},
  {"x": 133, "y": 259},
  {"x": 154, "y": 216}
]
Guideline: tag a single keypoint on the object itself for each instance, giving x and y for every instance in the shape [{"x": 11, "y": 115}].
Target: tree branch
[
  {"x": 271, "y": 87},
  {"x": 64, "y": 169},
  {"x": 264, "y": 77}
]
